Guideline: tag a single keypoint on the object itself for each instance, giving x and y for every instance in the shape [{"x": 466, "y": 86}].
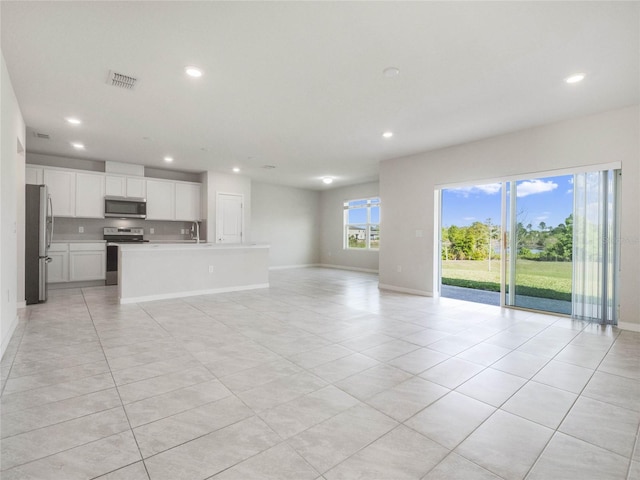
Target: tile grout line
[{"x": 114, "y": 384}]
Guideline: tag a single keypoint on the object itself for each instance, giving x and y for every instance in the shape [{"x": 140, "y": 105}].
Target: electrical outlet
[
  {"x": 152, "y": 231},
  {"x": 210, "y": 268},
  {"x": 399, "y": 268},
  {"x": 80, "y": 229}
]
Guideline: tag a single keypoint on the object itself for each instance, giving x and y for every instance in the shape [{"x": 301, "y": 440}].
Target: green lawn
[{"x": 535, "y": 279}]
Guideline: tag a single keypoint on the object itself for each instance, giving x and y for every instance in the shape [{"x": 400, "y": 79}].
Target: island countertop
[{"x": 186, "y": 245}]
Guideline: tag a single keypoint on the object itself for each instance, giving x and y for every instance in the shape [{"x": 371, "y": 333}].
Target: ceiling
[{"x": 300, "y": 85}]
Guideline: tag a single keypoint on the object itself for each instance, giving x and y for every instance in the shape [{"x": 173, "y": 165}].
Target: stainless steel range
[{"x": 114, "y": 236}]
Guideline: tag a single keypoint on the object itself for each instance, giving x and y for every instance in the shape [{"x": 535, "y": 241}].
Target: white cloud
[
  {"x": 488, "y": 189},
  {"x": 570, "y": 181},
  {"x": 570, "y": 191},
  {"x": 531, "y": 187},
  {"x": 468, "y": 219}
]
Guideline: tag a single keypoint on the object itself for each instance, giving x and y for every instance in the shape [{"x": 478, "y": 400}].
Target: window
[{"x": 362, "y": 224}]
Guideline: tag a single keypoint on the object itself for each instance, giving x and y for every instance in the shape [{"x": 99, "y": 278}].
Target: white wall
[
  {"x": 332, "y": 251},
  {"x": 407, "y": 186},
  {"x": 288, "y": 219},
  {"x": 12, "y": 141},
  {"x": 224, "y": 183}
]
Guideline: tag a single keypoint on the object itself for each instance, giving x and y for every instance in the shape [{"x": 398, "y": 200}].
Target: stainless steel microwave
[{"x": 125, "y": 207}]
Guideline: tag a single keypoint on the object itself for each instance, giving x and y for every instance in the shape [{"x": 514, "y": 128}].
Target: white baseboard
[
  {"x": 193, "y": 293},
  {"x": 345, "y": 267},
  {"x": 633, "y": 327},
  {"x": 287, "y": 267},
  {"x": 8, "y": 337},
  {"x": 393, "y": 288}
]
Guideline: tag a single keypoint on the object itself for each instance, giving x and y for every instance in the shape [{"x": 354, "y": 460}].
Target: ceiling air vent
[
  {"x": 122, "y": 81},
  {"x": 268, "y": 167},
  {"x": 43, "y": 136}
]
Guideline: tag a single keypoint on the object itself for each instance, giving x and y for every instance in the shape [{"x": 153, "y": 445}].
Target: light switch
[{"x": 80, "y": 229}]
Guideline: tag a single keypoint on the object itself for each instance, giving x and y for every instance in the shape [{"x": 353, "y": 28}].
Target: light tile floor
[{"x": 320, "y": 376}]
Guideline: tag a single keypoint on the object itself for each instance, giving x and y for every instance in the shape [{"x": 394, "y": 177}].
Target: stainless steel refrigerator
[{"x": 38, "y": 235}]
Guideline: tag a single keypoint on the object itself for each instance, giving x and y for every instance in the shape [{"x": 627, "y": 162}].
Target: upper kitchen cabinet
[
  {"x": 33, "y": 175},
  {"x": 136, "y": 187},
  {"x": 90, "y": 195},
  {"x": 122, "y": 186},
  {"x": 161, "y": 204},
  {"x": 62, "y": 188},
  {"x": 188, "y": 200}
]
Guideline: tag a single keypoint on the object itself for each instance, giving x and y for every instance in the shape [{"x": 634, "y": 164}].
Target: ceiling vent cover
[
  {"x": 122, "y": 81},
  {"x": 268, "y": 167},
  {"x": 43, "y": 136}
]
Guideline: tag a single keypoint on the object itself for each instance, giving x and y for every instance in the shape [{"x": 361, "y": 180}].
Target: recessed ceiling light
[
  {"x": 236, "y": 170},
  {"x": 327, "y": 180},
  {"x": 168, "y": 159},
  {"x": 391, "y": 71},
  {"x": 77, "y": 146},
  {"x": 578, "y": 77},
  {"x": 73, "y": 120},
  {"x": 194, "y": 72},
  {"x": 387, "y": 134}
]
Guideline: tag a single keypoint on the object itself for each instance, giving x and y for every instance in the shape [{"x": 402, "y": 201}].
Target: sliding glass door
[
  {"x": 539, "y": 237},
  {"x": 554, "y": 238}
]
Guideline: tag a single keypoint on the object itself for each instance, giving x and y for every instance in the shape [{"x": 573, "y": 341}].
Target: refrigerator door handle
[{"x": 50, "y": 231}]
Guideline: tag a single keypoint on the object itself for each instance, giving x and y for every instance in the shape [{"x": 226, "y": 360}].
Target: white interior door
[{"x": 229, "y": 218}]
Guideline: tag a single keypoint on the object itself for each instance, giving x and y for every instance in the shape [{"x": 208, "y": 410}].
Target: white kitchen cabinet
[
  {"x": 90, "y": 195},
  {"x": 136, "y": 187},
  {"x": 33, "y": 175},
  {"x": 123, "y": 186},
  {"x": 161, "y": 202},
  {"x": 58, "y": 267},
  {"x": 188, "y": 202},
  {"x": 87, "y": 261},
  {"x": 115, "y": 185},
  {"x": 62, "y": 188}
]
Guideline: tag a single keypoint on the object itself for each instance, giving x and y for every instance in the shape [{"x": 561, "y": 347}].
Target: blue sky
[{"x": 548, "y": 199}]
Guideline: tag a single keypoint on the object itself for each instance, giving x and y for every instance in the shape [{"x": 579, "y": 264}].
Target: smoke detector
[{"x": 120, "y": 80}]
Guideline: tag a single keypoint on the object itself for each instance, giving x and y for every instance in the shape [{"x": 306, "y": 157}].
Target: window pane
[
  {"x": 356, "y": 236},
  {"x": 374, "y": 236},
  {"x": 357, "y": 215},
  {"x": 374, "y": 201},
  {"x": 356, "y": 203},
  {"x": 375, "y": 215}
]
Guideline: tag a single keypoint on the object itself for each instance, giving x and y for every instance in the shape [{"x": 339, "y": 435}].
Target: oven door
[{"x": 112, "y": 265}]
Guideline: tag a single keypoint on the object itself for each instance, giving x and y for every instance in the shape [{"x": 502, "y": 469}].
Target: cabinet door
[
  {"x": 136, "y": 187},
  {"x": 58, "y": 268},
  {"x": 87, "y": 265},
  {"x": 89, "y": 195},
  {"x": 187, "y": 202},
  {"x": 62, "y": 188},
  {"x": 115, "y": 186},
  {"x": 160, "y": 200},
  {"x": 33, "y": 175}
]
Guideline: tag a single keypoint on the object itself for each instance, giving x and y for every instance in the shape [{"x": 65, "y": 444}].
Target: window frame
[{"x": 369, "y": 203}]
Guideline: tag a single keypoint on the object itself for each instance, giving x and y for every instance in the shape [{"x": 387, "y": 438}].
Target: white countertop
[
  {"x": 187, "y": 246},
  {"x": 78, "y": 241}
]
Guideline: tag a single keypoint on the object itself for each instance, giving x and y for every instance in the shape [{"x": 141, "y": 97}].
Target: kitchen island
[{"x": 151, "y": 271}]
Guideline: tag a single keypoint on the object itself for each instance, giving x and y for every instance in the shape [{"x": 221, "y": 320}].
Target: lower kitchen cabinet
[
  {"x": 77, "y": 262},
  {"x": 87, "y": 261},
  {"x": 58, "y": 267}
]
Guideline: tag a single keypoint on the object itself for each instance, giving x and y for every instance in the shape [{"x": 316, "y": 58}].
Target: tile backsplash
[{"x": 69, "y": 228}]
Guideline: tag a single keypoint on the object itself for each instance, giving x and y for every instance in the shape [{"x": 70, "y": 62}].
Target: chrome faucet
[{"x": 195, "y": 231}]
